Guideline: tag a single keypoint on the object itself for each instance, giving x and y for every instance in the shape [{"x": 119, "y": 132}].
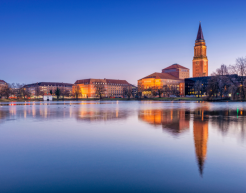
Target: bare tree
[
  {"x": 240, "y": 69},
  {"x": 198, "y": 88},
  {"x": 77, "y": 92},
  {"x": 222, "y": 80},
  {"x": 154, "y": 93},
  {"x": 38, "y": 91},
  {"x": 160, "y": 91},
  {"x": 20, "y": 91},
  {"x": 174, "y": 90},
  {"x": 222, "y": 71},
  {"x": 127, "y": 90},
  {"x": 212, "y": 88},
  {"x": 6, "y": 91},
  {"x": 64, "y": 92},
  {"x": 233, "y": 90},
  {"x": 166, "y": 90},
  {"x": 100, "y": 89}
]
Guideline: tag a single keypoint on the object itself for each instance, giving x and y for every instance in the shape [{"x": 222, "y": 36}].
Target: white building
[{"x": 47, "y": 97}]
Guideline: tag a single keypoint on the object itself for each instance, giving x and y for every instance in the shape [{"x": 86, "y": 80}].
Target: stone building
[
  {"x": 200, "y": 60},
  {"x": 178, "y": 71},
  {"x": 2, "y": 83},
  {"x": 46, "y": 87},
  {"x": 172, "y": 77},
  {"x": 112, "y": 87}
]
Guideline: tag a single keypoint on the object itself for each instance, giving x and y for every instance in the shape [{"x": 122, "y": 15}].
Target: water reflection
[
  {"x": 94, "y": 115},
  {"x": 200, "y": 132},
  {"x": 175, "y": 121}
]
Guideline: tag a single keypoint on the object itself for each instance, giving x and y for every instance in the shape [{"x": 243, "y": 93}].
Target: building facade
[
  {"x": 200, "y": 60},
  {"x": 112, "y": 87},
  {"x": 2, "y": 83},
  {"x": 46, "y": 87},
  {"x": 134, "y": 90},
  {"x": 171, "y": 77},
  {"x": 178, "y": 71},
  {"x": 190, "y": 82}
]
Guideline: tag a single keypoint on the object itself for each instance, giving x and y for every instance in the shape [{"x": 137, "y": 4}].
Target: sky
[{"x": 63, "y": 41}]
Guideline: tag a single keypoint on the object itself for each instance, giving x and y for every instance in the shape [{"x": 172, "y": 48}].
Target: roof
[
  {"x": 2, "y": 82},
  {"x": 114, "y": 81},
  {"x": 108, "y": 81},
  {"x": 50, "y": 84},
  {"x": 82, "y": 81},
  {"x": 176, "y": 66},
  {"x": 161, "y": 76},
  {"x": 199, "y": 33}
]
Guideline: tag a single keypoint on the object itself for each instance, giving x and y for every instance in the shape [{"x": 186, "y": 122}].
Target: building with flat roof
[{"x": 112, "y": 87}]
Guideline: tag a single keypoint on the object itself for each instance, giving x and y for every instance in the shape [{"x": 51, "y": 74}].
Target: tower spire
[
  {"x": 199, "y": 33},
  {"x": 200, "y": 60}
]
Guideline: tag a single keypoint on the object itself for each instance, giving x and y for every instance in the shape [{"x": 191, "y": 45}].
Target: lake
[{"x": 122, "y": 146}]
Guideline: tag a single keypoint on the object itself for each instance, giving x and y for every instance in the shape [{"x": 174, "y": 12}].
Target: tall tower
[{"x": 200, "y": 60}]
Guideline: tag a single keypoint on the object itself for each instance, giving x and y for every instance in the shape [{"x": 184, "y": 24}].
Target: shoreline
[{"x": 176, "y": 99}]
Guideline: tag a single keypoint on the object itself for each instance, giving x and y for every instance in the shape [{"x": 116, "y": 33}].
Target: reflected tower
[{"x": 200, "y": 131}]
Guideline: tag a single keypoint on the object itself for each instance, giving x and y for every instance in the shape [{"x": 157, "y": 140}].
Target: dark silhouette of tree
[
  {"x": 76, "y": 91},
  {"x": 198, "y": 86},
  {"x": 127, "y": 90},
  {"x": 57, "y": 93},
  {"x": 100, "y": 89}
]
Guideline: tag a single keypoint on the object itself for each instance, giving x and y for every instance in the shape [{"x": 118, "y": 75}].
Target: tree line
[
  {"x": 165, "y": 91},
  {"x": 227, "y": 81},
  {"x": 20, "y": 91}
]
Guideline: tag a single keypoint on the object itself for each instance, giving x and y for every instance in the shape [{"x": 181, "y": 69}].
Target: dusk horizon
[{"x": 65, "y": 42}]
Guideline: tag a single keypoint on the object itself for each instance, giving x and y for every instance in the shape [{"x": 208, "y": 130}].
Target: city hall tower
[{"x": 200, "y": 60}]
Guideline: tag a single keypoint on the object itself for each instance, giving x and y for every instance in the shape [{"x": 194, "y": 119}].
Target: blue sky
[{"x": 68, "y": 40}]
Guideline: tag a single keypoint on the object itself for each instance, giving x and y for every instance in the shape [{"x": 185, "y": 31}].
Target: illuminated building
[
  {"x": 178, "y": 71},
  {"x": 46, "y": 87},
  {"x": 113, "y": 87},
  {"x": 172, "y": 77},
  {"x": 190, "y": 82},
  {"x": 200, "y": 60},
  {"x": 2, "y": 83}
]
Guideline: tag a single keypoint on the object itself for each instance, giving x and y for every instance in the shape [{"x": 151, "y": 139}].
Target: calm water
[{"x": 122, "y": 147}]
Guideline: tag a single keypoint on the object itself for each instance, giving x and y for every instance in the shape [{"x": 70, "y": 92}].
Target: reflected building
[
  {"x": 3, "y": 115},
  {"x": 175, "y": 121},
  {"x": 94, "y": 115},
  {"x": 200, "y": 133}
]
